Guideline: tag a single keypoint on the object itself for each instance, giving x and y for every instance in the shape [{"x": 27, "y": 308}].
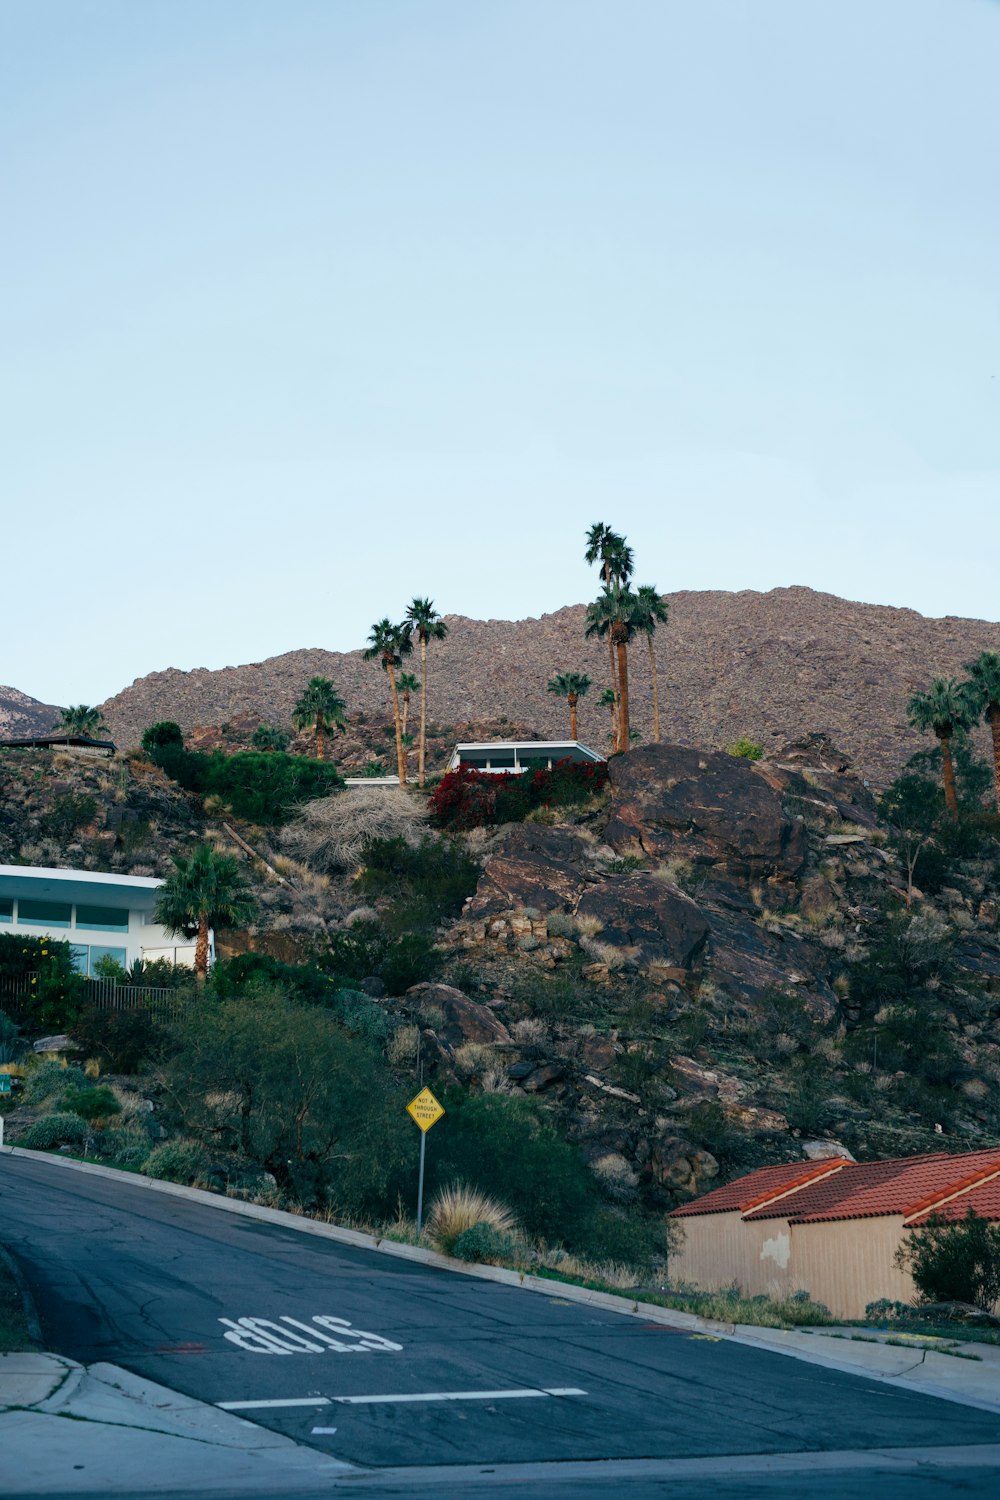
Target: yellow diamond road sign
[{"x": 425, "y": 1109}]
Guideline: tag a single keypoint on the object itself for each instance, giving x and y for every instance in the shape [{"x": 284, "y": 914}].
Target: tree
[
  {"x": 83, "y": 720},
  {"x": 389, "y": 644},
  {"x": 609, "y": 700},
  {"x": 427, "y": 625},
  {"x": 650, "y": 612},
  {"x": 207, "y": 890},
  {"x": 985, "y": 684},
  {"x": 269, "y": 737},
  {"x": 911, "y": 806},
  {"x": 611, "y": 550},
  {"x": 613, "y": 615},
  {"x": 954, "y": 1260},
  {"x": 407, "y": 684},
  {"x": 319, "y": 708},
  {"x": 946, "y": 706},
  {"x": 571, "y": 686}
]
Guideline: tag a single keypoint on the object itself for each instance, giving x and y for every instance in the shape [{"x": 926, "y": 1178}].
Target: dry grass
[
  {"x": 458, "y": 1208},
  {"x": 333, "y": 832}
]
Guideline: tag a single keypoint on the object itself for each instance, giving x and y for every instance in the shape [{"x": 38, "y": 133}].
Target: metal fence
[{"x": 18, "y": 992}]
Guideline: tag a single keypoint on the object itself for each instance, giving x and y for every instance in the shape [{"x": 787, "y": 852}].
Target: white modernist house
[
  {"x": 517, "y": 755},
  {"x": 100, "y": 916}
]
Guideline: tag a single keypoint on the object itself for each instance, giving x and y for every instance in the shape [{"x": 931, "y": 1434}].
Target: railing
[{"x": 106, "y": 994}]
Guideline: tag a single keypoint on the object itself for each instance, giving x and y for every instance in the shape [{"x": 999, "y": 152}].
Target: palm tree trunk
[
  {"x": 201, "y": 950},
  {"x": 400, "y": 756},
  {"x": 993, "y": 714},
  {"x": 320, "y": 738},
  {"x": 624, "y": 736},
  {"x": 948, "y": 768},
  {"x": 421, "y": 753},
  {"x": 572, "y": 716},
  {"x": 406, "y": 710},
  {"x": 656, "y": 690}
]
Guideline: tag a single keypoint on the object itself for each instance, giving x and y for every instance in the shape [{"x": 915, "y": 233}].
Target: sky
[{"x": 310, "y": 306}]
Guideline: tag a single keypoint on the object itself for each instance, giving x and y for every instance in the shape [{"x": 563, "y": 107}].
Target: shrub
[
  {"x": 50, "y": 1080},
  {"x": 484, "y": 1244},
  {"x": 158, "y": 738},
  {"x": 177, "y": 1161},
  {"x": 459, "y": 1208},
  {"x": 954, "y": 1260},
  {"x": 745, "y": 749},
  {"x": 263, "y": 787},
  {"x": 432, "y": 881},
  {"x": 71, "y": 811},
  {"x": 359, "y": 1014},
  {"x": 467, "y": 798},
  {"x": 123, "y": 1039},
  {"x": 366, "y": 949},
  {"x": 54, "y": 1130},
  {"x": 10, "y": 1046},
  {"x": 334, "y": 833},
  {"x": 92, "y": 1103},
  {"x": 50, "y": 992},
  {"x": 124, "y": 1146},
  {"x": 270, "y": 737}
]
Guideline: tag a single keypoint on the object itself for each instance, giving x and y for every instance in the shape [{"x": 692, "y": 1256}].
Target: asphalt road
[{"x": 395, "y": 1365}]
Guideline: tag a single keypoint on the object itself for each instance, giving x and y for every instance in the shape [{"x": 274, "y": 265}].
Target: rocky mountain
[
  {"x": 772, "y": 666},
  {"x": 22, "y": 716}
]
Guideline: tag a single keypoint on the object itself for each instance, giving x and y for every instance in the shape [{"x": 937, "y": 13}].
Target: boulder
[
  {"x": 55, "y": 1044},
  {"x": 465, "y": 1020},
  {"x": 825, "y": 1150},
  {"x": 705, "y": 805},
  {"x": 650, "y": 918},
  {"x": 534, "y": 867}
]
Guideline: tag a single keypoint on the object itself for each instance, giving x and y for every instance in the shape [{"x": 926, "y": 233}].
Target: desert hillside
[
  {"x": 22, "y": 716},
  {"x": 772, "y": 666}
]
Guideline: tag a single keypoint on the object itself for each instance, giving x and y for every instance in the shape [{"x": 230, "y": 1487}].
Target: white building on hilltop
[
  {"x": 514, "y": 756},
  {"x": 100, "y": 916}
]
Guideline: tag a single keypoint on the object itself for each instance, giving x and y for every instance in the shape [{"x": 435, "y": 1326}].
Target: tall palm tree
[
  {"x": 609, "y": 700},
  {"x": 613, "y": 615},
  {"x": 389, "y": 643},
  {"x": 571, "y": 686},
  {"x": 427, "y": 625},
  {"x": 407, "y": 684},
  {"x": 610, "y": 549},
  {"x": 82, "y": 719},
  {"x": 320, "y": 708},
  {"x": 651, "y": 611},
  {"x": 985, "y": 683},
  {"x": 207, "y": 890},
  {"x": 947, "y": 705}
]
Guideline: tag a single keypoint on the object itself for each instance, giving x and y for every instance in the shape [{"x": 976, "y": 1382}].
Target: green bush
[
  {"x": 263, "y": 787},
  {"x": 10, "y": 1045},
  {"x": 366, "y": 949},
  {"x": 270, "y": 737},
  {"x": 124, "y": 1146},
  {"x": 50, "y": 1081},
  {"x": 359, "y": 1014},
  {"x": 954, "y": 1260},
  {"x": 54, "y": 1130},
  {"x": 92, "y": 1103},
  {"x": 177, "y": 1161},
  {"x": 428, "y": 884},
  {"x": 744, "y": 749},
  {"x": 50, "y": 991},
  {"x": 484, "y": 1244},
  {"x": 68, "y": 813},
  {"x": 162, "y": 737},
  {"x": 123, "y": 1039},
  {"x": 250, "y": 971}
]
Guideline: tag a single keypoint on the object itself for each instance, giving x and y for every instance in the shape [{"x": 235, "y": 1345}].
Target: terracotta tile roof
[
  {"x": 864, "y": 1190},
  {"x": 758, "y": 1187},
  {"x": 981, "y": 1196}
]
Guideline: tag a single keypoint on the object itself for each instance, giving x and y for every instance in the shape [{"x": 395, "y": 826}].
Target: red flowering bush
[{"x": 468, "y": 798}]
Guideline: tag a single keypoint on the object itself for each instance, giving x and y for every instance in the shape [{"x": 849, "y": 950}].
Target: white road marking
[
  {"x": 515, "y": 1395},
  {"x": 324, "y": 1431},
  {"x": 263, "y": 1405},
  {"x": 323, "y": 1335}
]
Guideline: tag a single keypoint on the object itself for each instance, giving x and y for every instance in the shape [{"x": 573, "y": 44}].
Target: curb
[{"x": 773, "y": 1340}]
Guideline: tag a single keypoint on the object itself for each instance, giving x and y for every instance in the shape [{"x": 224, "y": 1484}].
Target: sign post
[{"x": 425, "y": 1111}]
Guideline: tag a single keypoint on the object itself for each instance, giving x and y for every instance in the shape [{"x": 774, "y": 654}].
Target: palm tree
[
  {"x": 571, "y": 686},
  {"x": 407, "y": 684},
  {"x": 614, "y": 615},
  {"x": 82, "y": 719},
  {"x": 947, "y": 705},
  {"x": 389, "y": 643},
  {"x": 651, "y": 611},
  {"x": 609, "y": 699},
  {"x": 985, "y": 684},
  {"x": 320, "y": 707},
  {"x": 427, "y": 625},
  {"x": 207, "y": 890},
  {"x": 611, "y": 550}
]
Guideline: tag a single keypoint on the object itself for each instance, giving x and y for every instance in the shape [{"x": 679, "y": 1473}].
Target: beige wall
[{"x": 845, "y": 1265}]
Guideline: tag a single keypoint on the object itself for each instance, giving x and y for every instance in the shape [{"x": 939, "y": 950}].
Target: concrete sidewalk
[{"x": 68, "y": 1429}]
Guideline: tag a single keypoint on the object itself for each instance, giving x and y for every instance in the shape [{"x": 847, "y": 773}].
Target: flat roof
[
  {"x": 539, "y": 745},
  {"x": 41, "y": 883}
]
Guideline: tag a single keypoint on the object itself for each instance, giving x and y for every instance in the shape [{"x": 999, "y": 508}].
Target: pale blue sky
[{"x": 312, "y": 305}]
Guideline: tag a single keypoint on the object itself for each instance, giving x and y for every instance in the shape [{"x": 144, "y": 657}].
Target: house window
[
  {"x": 6, "y": 911},
  {"x": 80, "y": 957},
  {"x": 102, "y": 918},
  {"x": 98, "y": 952},
  {"x": 43, "y": 913},
  {"x": 502, "y": 762}
]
